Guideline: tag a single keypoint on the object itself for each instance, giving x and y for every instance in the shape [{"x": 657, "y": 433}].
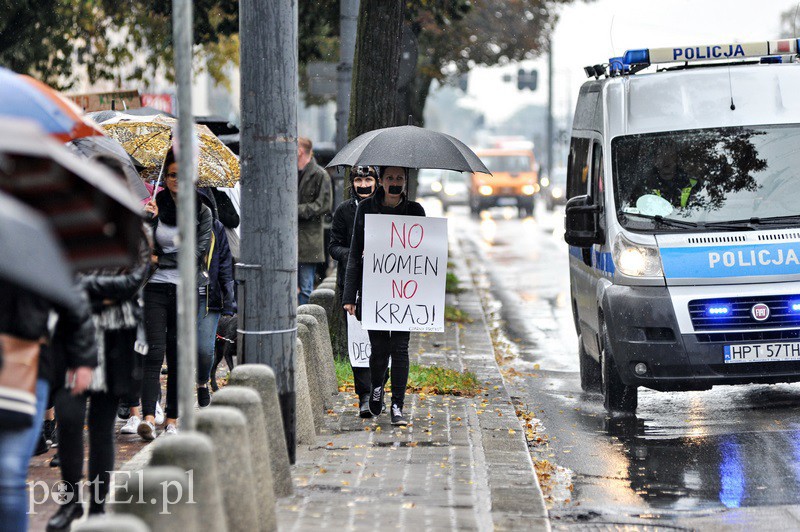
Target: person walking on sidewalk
[
  {"x": 117, "y": 315},
  {"x": 390, "y": 198},
  {"x": 363, "y": 181},
  {"x": 313, "y": 202},
  {"x": 161, "y": 299}
]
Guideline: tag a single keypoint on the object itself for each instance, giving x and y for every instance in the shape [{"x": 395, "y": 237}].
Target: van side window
[
  {"x": 598, "y": 186},
  {"x": 578, "y": 167}
]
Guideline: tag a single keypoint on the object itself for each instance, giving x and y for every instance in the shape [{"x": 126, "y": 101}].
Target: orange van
[{"x": 513, "y": 182}]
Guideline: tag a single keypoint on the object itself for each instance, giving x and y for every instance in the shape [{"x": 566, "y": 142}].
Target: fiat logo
[{"x": 760, "y": 312}]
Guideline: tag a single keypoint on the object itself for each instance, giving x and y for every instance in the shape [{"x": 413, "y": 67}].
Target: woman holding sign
[
  {"x": 390, "y": 198},
  {"x": 363, "y": 181}
]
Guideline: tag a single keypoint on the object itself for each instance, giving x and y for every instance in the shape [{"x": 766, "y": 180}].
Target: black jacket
[
  {"x": 355, "y": 261},
  {"x": 341, "y": 235},
  {"x": 219, "y": 296},
  {"x": 204, "y": 227}
]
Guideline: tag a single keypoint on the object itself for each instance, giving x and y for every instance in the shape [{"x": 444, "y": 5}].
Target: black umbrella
[
  {"x": 32, "y": 258},
  {"x": 101, "y": 149},
  {"x": 409, "y": 147}
]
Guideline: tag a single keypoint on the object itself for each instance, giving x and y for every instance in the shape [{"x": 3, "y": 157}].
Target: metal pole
[
  {"x": 550, "y": 110},
  {"x": 268, "y": 264},
  {"x": 187, "y": 170}
]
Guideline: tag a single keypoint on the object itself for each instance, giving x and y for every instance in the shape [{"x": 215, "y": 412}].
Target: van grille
[
  {"x": 750, "y": 336},
  {"x": 780, "y": 236},
  {"x": 780, "y": 315},
  {"x": 715, "y": 239}
]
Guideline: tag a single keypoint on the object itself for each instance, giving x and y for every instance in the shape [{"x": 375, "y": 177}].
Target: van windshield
[
  {"x": 745, "y": 175},
  {"x": 507, "y": 163}
]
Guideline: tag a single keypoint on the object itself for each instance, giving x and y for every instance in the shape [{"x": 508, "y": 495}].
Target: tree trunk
[{"x": 373, "y": 102}]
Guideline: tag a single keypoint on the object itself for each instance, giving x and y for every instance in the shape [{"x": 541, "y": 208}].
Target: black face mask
[
  {"x": 395, "y": 189},
  {"x": 364, "y": 191}
]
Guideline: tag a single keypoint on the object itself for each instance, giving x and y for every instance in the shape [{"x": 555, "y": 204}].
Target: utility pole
[
  {"x": 348, "y": 26},
  {"x": 187, "y": 215},
  {"x": 268, "y": 267},
  {"x": 550, "y": 109}
]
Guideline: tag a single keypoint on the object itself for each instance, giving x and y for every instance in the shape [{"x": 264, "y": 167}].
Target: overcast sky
[{"x": 585, "y": 35}]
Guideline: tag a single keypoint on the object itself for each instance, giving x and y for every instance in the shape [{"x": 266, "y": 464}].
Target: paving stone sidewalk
[{"x": 462, "y": 465}]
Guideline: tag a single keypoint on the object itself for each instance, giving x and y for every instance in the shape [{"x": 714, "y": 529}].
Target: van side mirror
[{"x": 582, "y": 222}]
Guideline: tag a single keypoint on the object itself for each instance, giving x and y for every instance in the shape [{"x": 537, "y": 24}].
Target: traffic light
[{"x": 527, "y": 80}]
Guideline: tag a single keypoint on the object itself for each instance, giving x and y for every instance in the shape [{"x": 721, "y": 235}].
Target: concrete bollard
[
  {"x": 322, "y": 318},
  {"x": 322, "y": 355},
  {"x": 249, "y": 403},
  {"x": 161, "y": 496},
  {"x": 261, "y": 378},
  {"x": 193, "y": 451},
  {"x": 325, "y": 298},
  {"x": 330, "y": 279},
  {"x": 227, "y": 428},
  {"x": 305, "y": 429},
  {"x": 327, "y": 286},
  {"x": 312, "y": 373},
  {"x": 111, "y": 523}
]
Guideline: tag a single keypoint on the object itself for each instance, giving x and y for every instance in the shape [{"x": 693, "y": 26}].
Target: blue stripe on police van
[
  {"x": 601, "y": 260},
  {"x": 712, "y": 262}
]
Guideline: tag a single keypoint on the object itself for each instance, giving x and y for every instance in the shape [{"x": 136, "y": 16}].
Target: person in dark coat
[
  {"x": 390, "y": 198},
  {"x": 363, "y": 181},
  {"x": 161, "y": 299},
  {"x": 24, "y": 321},
  {"x": 214, "y": 300},
  {"x": 117, "y": 316},
  {"x": 314, "y": 200}
]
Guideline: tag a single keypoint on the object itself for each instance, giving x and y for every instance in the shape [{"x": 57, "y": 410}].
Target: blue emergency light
[
  {"x": 718, "y": 310},
  {"x": 767, "y": 51},
  {"x": 794, "y": 306}
]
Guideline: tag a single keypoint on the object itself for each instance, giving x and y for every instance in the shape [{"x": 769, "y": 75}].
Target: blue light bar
[
  {"x": 616, "y": 65},
  {"x": 794, "y": 306},
  {"x": 774, "y": 59},
  {"x": 718, "y": 310},
  {"x": 637, "y": 57}
]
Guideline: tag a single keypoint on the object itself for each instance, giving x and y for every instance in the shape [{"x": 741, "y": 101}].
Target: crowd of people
[{"x": 107, "y": 357}]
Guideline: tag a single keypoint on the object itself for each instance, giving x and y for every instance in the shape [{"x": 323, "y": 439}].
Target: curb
[{"x": 516, "y": 497}]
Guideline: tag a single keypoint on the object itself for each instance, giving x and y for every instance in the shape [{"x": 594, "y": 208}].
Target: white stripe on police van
[{"x": 764, "y": 257}]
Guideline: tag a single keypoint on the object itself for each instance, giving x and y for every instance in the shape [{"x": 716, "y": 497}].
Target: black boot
[
  {"x": 56, "y": 461},
  {"x": 363, "y": 407},
  {"x": 42, "y": 447},
  {"x": 63, "y": 518},
  {"x": 50, "y": 432}
]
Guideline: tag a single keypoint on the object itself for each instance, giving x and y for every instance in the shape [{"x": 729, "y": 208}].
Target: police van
[{"x": 683, "y": 219}]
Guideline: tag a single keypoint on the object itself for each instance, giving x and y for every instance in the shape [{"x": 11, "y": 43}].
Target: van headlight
[
  {"x": 528, "y": 190},
  {"x": 557, "y": 192},
  {"x": 485, "y": 190},
  {"x": 636, "y": 260},
  {"x": 436, "y": 186}
]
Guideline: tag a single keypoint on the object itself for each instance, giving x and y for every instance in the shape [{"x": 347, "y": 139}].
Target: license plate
[
  {"x": 775, "y": 352},
  {"x": 505, "y": 202}
]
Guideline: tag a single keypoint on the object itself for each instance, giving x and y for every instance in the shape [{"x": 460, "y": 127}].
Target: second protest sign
[{"x": 405, "y": 266}]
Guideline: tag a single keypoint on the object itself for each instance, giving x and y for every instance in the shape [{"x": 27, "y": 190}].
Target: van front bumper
[{"x": 642, "y": 328}]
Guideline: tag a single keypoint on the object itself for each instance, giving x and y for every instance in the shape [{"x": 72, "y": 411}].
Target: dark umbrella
[
  {"x": 409, "y": 147},
  {"x": 96, "y": 218},
  {"x": 32, "y": 258},
  {"x": 100, "y": 148}
]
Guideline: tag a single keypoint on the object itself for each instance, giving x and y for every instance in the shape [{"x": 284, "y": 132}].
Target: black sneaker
[
  {"x": 203, "y": 397},
  {"x": 376, "y": 401},
  {"x": 56, "y": 461},
  {"x": 363, "y": 407},
  {"x": 51, "y": 432},
  {"x": 41, "y": 447},
  {"x": 123, "y": 411},
  {"x": 397, "y": 416}
]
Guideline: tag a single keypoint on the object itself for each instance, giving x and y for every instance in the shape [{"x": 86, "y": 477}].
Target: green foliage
[
  {"x": 422, "y": 379},
  {"x": 456, "y": 315},
  {"x": 451, "y": 284}
]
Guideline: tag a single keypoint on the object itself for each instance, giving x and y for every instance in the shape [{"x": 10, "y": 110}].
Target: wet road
[{"x": 728, "y": 458}]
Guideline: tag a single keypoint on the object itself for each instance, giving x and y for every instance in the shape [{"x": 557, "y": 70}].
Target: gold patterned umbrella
[{"x": 148, "y": 139}]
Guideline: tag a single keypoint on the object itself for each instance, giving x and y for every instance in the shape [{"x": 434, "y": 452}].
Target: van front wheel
[
  {"x": 617, "y": 396},
  {"x": 590, "y": 369}
]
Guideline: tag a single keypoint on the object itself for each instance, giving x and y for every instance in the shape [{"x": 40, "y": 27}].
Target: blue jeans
[
  {"x": 305, "y": 281},
  {"x": 16, "y": 448},
  {"x": 206, "y": 338}
]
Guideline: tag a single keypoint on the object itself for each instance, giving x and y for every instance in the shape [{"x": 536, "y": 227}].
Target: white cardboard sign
[
  {"x": 358, "y": 346},
  {"x": 405, "y": 266}
]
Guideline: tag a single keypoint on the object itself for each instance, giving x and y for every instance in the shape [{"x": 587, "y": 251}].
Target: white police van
[{"x": 683, "y": 219}]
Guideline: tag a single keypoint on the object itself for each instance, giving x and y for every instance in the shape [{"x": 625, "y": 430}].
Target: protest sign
[
  {"x": 405, "y": 265},
  {"x": 358, "y": 346}
]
